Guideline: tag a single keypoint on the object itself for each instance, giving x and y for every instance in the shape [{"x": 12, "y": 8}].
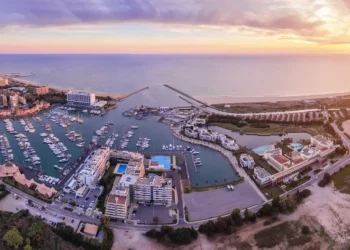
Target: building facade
[
  {"x": 246, "y": 161},
  {"x": 41, "y": 90},
  {"x": 4, "y": 81},
  {"x": 13, "y": 101},
  {"x": 80, "y": 98}
]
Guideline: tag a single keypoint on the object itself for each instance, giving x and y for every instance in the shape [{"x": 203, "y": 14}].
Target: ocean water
[{"x": 239, "y": 76}]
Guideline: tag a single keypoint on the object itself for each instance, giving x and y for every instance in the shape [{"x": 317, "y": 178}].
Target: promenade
[{"x": 228, "y": 154}]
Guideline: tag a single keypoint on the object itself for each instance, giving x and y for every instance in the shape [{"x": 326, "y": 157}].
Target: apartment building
[
  {"x": 205, "y": 135},
  {"x": 94, "y": 167},
  {"x": 154, "y": 189},
  {"x": 4, "y": 81},
  {"x": 227, "y": 143},
  {"x": 117, "y": 206},
  {"x": 41, "y": 90},
  {"x": 246, "y": 161},
  {"x": 3, "y": 100},
  {"x": 13, "y": 101},
  {"x": 80, "y": 98},
  {"x": 191, "y": 133}
]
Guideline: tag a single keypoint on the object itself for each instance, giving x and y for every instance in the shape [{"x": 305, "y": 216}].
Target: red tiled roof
[
  {"x": 297, "y": 160},
  {"x": 116, "y": 199},
  {"x": 280, "y": 159}
]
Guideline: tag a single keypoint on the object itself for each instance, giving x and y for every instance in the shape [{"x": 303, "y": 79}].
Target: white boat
[
  {"x": 43, "y": 134},
  {"x": 134, "y": 127}
]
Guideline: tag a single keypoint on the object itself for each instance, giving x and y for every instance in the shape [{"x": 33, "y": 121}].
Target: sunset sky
[{"x": 175, "y": 26}]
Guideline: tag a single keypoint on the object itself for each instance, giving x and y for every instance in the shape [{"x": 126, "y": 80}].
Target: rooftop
[
  {"x": 90, "y": 229},
  {"x": 117, "y": 199}
]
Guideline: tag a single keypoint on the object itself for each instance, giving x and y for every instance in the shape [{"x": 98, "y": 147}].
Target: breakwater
[
  {"x": 184, "y": 94},
  {"x": 133, "y": 93}
]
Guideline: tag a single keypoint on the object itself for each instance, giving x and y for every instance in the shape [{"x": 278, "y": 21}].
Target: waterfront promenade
[{"x": 228, "y": 154}]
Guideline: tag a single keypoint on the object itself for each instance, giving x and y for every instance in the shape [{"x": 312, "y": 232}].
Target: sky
[{"x": 175, "y": 26}]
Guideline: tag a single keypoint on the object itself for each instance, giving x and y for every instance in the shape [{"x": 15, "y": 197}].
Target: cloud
[{"x": 306, "y": 19}]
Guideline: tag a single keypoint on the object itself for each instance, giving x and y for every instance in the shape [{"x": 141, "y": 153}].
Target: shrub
[{"x": 305, "y": 230}]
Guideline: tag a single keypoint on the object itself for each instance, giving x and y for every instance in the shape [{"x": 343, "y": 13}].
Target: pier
[
  {"x": 132, "y": 93},
  {"x": 186, "y": 95}
]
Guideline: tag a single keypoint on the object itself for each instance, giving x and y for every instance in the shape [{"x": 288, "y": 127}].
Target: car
[
  {"x": 138, "y": 221},
  {"x": 72, "y": 221},
  {"x": 87, "y": 198}
]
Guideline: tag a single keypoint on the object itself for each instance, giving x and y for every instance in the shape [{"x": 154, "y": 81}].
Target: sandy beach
[
  {"x": 102, "y": 94},
  {"x": 234, "y": 99}
]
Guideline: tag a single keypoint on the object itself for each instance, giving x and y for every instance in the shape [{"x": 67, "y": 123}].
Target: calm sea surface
[{"x": 241, "y": 76}]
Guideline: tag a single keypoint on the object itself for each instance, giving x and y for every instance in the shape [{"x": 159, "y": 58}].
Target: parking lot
[
  {"x": 145, "y": 214},
  {"x": 88, "y": 201},
  {"x": 221, "y": 201}
]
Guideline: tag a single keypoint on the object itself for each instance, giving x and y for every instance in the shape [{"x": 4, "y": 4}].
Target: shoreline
[
  {"x": 98, "y": 94},
  {"x": 224, "y": 99}
]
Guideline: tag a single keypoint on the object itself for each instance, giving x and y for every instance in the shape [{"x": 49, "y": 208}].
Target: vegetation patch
[
  {"x": 170, "y": 236},
  {"x": 341, "y": 180},
  {"x": 107, "y": 182},
  {"x": 291, "y": 232}
]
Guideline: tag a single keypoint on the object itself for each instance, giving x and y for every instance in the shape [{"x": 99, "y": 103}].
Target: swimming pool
[
  {"x": 296, "y": 146},
  {"x": 121, "y": 168},
  {"x": 162, "y": 160},
  {"x": 260, "y": 150}
]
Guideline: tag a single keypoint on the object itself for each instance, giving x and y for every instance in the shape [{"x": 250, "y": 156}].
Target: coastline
[
  {"x": 101, "y": 94},
  {"x": 236, "y": 99}
]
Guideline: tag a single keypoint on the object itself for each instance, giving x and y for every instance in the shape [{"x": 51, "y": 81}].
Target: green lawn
[{"x": 342, "y": 180}]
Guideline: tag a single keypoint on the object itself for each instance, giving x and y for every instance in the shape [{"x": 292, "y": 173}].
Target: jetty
[
  {"x": 133, "y": 93},
  {"x": 186, "y": 95}
]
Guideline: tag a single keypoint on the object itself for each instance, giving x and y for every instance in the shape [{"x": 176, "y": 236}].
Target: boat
[
  {"x": 43, "y": 134},
  {"x": 134, "y": 127}
]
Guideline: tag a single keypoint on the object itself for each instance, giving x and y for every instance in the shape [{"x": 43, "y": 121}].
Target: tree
[
  {"x": 155, "y": 219},
  {"x": 35, "y": 233},
  {"x": 276, "y": 202},
  {"x": 236, "y": 217},
  {"x": 266, "y": 210},
  {"x": 27, "y": 247},
  {"x": 105, "y": 221},
  {"x": 13, "y": 238},
  {"x": 305, "y": 229}
]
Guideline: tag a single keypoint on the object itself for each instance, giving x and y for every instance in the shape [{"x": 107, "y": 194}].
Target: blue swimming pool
[
  {"x": 162, "y": 160},
  {"x": 262, "y": 149},
  {"x": 296, "y": 146},
  {"x": 121, "y": 169}
]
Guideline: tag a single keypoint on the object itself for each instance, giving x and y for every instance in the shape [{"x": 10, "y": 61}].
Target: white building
[
  {"x": 80, "y": 98},
  {"x": 205, "y": 135},
  {"x": 153, "y": 189},
  {"x": 246, "y": 161},
  {"x": 228, "y": 143},
  {"x": 277, "y": 160},
  {"x": 13, "y": 101},
  {"x": 191, "y": 133},
  {"x": 261, "y": 176},
  {"x": 94, "y": 167},
  {"x": 320, "y": 140}
]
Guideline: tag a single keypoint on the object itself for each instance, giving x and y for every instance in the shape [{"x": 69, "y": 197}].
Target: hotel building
[
  {"x": 261, "y": 176},
  {"x": 80, "y": 98}
]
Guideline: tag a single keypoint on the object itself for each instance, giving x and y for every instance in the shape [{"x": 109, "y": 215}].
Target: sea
[
  {"x": 242, "y": 76},
  {"x": 198, "y": 75}
]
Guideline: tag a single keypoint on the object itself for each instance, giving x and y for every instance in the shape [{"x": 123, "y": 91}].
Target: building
[
  {"x": 93, "y": 168},
  {"x": 117, "y": 206},
  {"x": 261, "y": 176},
  {"x": 3, "y": 100},
  {"x": 191, "y": 133},
  {"x": 41, "y": 90},
  {"x": 246, "y": 161},
  {"x": 277, "y": 160},
  {"x": 13, "y": 101},
  {"x": 22, "y": 100},
  {"x": 206, "y": 135},
  {"x": 45, "y": 191},
  {"x": 4, "y": 81},
  {"x": 320, "y": 140},
  {"x": 154, "y": 189},
  {"x": 8, "y": 170},
  {"x": 80, "y": 98},
  {"x": 90, "y": 229},
  {"x": 227, "y": 143}
]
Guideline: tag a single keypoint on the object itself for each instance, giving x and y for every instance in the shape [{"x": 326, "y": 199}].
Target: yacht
[{"x": 134, "y": 127}]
